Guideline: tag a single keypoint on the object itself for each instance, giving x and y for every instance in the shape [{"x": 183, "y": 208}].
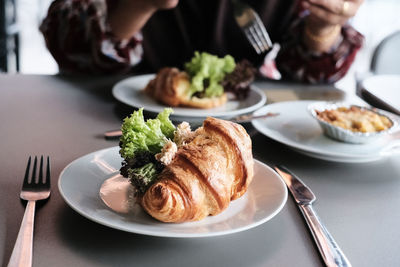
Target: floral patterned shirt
[{"x": 79, "y": 37}]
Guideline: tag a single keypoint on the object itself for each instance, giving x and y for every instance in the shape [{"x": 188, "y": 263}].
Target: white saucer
[{"x": 296, "y": 128}]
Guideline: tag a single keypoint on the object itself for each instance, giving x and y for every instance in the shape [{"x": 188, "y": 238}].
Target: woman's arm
[{"x": 98, "y": 36}]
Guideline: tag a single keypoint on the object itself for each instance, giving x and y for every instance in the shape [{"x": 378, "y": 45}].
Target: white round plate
[
  {"x": 295, "y": 127},
  {"x": 385, "y": 89},
  {"x": 130, "y": 92},
  {"x": 80, "y": 182}
]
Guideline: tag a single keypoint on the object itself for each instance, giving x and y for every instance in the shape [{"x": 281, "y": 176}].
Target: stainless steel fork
[
  {"x": 33, "y": 189},
  {"x": 251, "y": 24}
]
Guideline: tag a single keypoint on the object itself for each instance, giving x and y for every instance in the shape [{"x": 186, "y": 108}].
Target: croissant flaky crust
[
  {"x": 204, "y": 176},
  {"x": 171, "y": 87}
]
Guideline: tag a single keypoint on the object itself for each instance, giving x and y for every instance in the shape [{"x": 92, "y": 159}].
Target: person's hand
[
  {"x": 329, "y": 13},
  {"x": 325, "y": 20},
  {"x": 148, "y": 5},
  {"x": 130, "y": 16},
  {"x": 163, "y": 4}
]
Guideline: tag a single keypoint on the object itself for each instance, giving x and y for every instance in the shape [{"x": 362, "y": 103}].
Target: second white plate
[
  {"x": 130, "y": 92},
  {"x": 296, "y": 128}
]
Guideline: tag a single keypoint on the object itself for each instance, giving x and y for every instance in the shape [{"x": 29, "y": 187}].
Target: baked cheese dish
[{"x": 355, "y": 119}]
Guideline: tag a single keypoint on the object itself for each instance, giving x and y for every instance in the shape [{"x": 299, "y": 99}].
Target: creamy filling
[{"x": 118, "y": 194}]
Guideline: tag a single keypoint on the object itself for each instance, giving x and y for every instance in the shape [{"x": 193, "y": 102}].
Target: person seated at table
[{"x": 115, "y": 36}]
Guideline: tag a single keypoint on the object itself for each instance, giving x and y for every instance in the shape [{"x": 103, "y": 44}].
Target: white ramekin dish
[{"x": 348, "y": 136}]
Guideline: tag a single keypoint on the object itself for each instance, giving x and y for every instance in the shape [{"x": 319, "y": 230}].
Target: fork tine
[
  {"x": 256, "y": 21},
  {"x": 265, "y": 45},
  {"x": 254, "y": 39},
  {"x": 28, "y": 166},
  {"x": 258, "y": 31},
  {"x": 259, "y": 25},
  {"x": 253, "y": 27},
  {"x": 261, "y": 42},
  {"x": 48, "y": 172},
  {"x": 33, "y": 179},
  {"x": 40, "y": 181}
]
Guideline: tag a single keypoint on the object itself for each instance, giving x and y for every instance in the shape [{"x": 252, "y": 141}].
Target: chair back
[
  {"x": 386, "y": 57},
  {"x": 9, "y": 37}
]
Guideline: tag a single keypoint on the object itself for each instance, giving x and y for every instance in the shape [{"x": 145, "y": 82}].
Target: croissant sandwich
[
  {"x": 172, "y": 88},
  {"x": 193, "y": 174},
  {"x": 203, "y": 83}
]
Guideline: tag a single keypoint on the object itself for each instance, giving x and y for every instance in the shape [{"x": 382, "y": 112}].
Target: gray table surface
[{"x": 65, "y": 117}]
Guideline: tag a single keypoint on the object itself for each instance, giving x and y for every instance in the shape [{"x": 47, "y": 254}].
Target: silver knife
[{"x": 329, "y": 250}]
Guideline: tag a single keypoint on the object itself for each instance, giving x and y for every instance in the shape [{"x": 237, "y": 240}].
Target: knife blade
[{"x": 304, "y": 197}]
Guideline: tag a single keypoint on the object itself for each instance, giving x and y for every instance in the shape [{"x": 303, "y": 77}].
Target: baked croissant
[
  {"x": 204, "y": 176},
  {"x": 171, "y": 87}
]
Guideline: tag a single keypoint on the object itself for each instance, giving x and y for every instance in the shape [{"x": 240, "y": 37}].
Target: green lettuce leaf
[
  {"x": 139, "y": 135},
  {"x": 167, "y": 127},
  {"x": 207, "y": 71}
]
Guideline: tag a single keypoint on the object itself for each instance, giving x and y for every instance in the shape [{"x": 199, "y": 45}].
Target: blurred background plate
[
  {"x": 130, "y": 92},
  {"x": 382, "y": 91}
]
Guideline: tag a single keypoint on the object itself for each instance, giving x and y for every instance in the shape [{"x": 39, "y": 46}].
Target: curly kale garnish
[
  {"x": 143, "y": 177},
  {"x": 140, "y": 159},
  {"x": 142, "y": 171}
]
